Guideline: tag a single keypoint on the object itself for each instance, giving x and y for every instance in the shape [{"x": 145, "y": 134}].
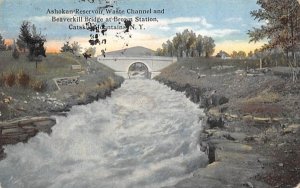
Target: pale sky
[{"x": 227, "y": 21}]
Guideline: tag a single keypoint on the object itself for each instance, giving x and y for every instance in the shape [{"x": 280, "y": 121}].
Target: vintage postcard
[{"x": 149, "y": 93}]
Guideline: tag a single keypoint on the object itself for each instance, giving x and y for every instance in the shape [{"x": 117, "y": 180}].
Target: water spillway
[{"x": 145, "y": 135}]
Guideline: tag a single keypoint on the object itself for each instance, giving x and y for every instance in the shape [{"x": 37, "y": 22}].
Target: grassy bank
[{"x": 26, "y": 90}]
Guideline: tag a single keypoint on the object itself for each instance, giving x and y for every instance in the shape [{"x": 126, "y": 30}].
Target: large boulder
[
  {"x": 217, "y": 100},
  {"x": 214, "y": 122}
]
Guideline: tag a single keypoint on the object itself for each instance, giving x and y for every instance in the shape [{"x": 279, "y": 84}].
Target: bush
[
  {"x": 38, "y": 85},
  {"x": 16, "y": 53},
  {"x": 10, "y": 79},
  {"x": 23, "y": 79}
]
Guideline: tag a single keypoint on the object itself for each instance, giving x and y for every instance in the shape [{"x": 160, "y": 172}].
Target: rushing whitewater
[{"x": 145, "y": 135}]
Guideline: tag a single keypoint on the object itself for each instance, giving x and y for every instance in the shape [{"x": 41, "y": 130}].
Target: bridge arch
[
  {"x": 121, "y": 64},
  {"x": 139, "y": 69}
]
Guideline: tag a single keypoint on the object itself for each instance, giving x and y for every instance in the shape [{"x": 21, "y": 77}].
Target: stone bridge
[{"x": 122, "y": 64}]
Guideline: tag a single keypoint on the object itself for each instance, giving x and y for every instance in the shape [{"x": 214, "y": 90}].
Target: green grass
[{"x": 54, "y": 65}]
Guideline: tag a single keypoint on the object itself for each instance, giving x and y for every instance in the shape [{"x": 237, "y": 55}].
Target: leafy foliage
[
  {"x": 282, "y": 24},
  {"x": 208, "y": 46},
  {"x": 76, "y": 48},
  {"x": 187, "y": 44},
  {"x": 2, "y": 44},
  {"x": 21, "y": 45},
  {"x": 34, "y": 41},
  {"x": 91, "y": 51},
  {"x": 238, "y": 55},
  {"x": 66, "y": 47}
]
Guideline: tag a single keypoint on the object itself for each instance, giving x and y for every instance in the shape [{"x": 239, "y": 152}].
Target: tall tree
[
  {"x": 177, "y": 42},
  {"x": 159, "y": 52},
  {"x": 34, "y": 41},
  {"x": 234, "y": 54},
  {"x": 2, "y": 44},
  {"x": 36, "y": 49},
  {"x": 250, "y": 54},
  {"x": 21, "y": 45},
  {"x": 190, "y": 42},
  {"x": 76, "y": 48},
  {"x": 199, "y": 45},
  {"x": 170, "y": 48},
  {"x": 25, "y": 36},
  {"x": 66, "y": 48},
  {"x": 91, "y": 51},
  {"x": 241, "y": 54},
  {"x": 36, "y": 45},
  {"x": 188, "y": 39},
  {"x": 208, "y": 46},
  {"x": 282, "y": 28},
  {"x": 164, "y": 49}
]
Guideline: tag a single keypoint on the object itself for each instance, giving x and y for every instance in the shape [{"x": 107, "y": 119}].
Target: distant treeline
[{"x": 188, "y": 44}]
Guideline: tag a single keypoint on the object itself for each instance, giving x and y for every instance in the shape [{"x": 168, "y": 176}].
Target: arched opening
[{"x": 138, "y": 70}]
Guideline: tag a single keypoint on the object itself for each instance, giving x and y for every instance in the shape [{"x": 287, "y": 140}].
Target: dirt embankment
[
  {"x": 25, "y": 113},
  {"x": 252, "y": 130}
]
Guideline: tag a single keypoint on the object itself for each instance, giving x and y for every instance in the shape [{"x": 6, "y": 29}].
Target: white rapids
[{"x": 145, "y": 135}]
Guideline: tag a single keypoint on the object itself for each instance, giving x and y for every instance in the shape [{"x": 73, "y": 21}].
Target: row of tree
[
  {"x": 188, "y": 44},
  {"x": 234, "y": 55},
  {"x": 76, "y": 49},
  {"x": 29, "y": 39},
  {"x": 257, "y": 53}
]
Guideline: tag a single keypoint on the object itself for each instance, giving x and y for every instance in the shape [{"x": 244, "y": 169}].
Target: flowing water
[{"x": 145, "y": 135}]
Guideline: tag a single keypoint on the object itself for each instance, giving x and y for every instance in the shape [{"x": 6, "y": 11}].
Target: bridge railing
[{"x": 154, "y": 58}]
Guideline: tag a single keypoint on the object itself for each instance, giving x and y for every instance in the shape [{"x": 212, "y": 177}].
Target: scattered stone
[
  {"x": 249, "y": 139},
  {"x": 229, "y": 137},
  {"x": 8, "y": 100},
  {"x": 281, "y": 144},
  {"x": 280, "y": 165},
  {"x": 21, "y": 109},
  {"x": 291, "y": 129},
  {"x": 215, "y": 122},
  {"x": 248, "y": 184}
]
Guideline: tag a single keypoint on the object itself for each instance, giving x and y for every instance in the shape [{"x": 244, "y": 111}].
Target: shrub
[
  {"x": 23, "y": 79},
  {"x": 38, "y": 85},
  {"x": 16, "y": 53},
  {"x": 10, "y": 79}
]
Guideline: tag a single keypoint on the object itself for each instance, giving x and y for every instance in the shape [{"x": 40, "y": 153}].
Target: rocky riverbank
[
  {"x": 251, "y": 135},
  {"x": 25, "y": 116}
]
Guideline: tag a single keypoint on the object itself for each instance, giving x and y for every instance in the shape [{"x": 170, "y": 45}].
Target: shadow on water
[{"x": 139, "y": 70}]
